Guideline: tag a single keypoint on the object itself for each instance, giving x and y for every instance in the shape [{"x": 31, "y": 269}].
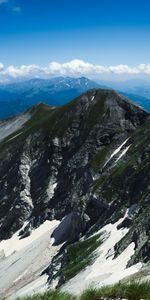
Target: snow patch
[
  {"x": 16, "y": 244},
  {"x": 12, "y": 125},
  {"x": 116, "y": 151},
  {"x": 25, "y": 260},
  {"x": 39, "y": 285},
  {"x": 19, "y": 277},
  {"x": 122, "y": 153},
  {"x": 106, "y": 269}
]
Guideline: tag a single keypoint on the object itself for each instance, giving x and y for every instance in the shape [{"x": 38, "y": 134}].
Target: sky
[{"x": 89, "y": 37}]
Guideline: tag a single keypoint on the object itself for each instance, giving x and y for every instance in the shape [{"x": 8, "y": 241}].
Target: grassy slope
[
  {"x": 139, "y": 142},
  {"x": 44, "y": 118},
  {"x": 80, "y": 254},
  {"x": 129, "y": 291}
]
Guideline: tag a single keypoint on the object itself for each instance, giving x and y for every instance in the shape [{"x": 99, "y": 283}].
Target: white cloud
[
  {"x": 75, "y": 67},
  {"x": 1, "y": 66}
]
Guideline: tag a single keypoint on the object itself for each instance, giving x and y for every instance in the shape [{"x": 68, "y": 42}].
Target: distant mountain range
[
  {"x": 137, "y": 90},
  {"x": 17, "y": 97}
]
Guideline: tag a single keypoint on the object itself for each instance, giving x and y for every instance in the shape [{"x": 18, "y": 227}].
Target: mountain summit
[{"x": 83, "y": 167}]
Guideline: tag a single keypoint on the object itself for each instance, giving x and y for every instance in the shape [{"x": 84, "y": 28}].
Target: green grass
[
  {"x": 96, "y": 113},
  {"x": 131, "y": 291},
  {"x": 98, "y": 159},
  {"x": 79, "y": 255},
  {"x": 45, "y": 119},
  {"x": 50, "y": 295}
]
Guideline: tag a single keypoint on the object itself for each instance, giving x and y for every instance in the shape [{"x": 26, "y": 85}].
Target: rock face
[{"x": 88, "y": 159}]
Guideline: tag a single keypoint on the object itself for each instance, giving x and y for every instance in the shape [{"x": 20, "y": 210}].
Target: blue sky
[{"x": 103, "y": 32}]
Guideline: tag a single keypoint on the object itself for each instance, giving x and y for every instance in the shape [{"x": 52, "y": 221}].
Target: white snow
[
  {"x": 122, "y": 153},
  {"x": 116, "y": 151},
  {"x": 19, "y": 277},
  {"x": 25, "y": 259},
  {"x": 15, "y": 244},
  {"x": 106, "y": 269},
  {"x": 12, "y": 125},
  {"x": 39, "y": 285},
  {"x": 92, "y": 98}
]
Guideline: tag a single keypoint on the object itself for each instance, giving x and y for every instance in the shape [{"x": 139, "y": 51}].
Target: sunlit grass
[{"x": 131, "y": 291}]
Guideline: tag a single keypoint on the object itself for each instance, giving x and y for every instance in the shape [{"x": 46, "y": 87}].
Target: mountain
[
  {"x": 17, "y": 97},
  {"x": 75, "y": 197}
]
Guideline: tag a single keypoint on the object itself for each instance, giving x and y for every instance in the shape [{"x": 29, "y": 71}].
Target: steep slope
[
  {"x": 9, "y": 126},
  {"x": 87, "y": 164}
]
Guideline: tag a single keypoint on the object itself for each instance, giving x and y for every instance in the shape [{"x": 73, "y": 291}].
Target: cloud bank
[{"x": 74, "y": 67}]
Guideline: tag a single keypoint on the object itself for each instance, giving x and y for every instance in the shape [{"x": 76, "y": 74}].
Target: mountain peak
[
  {"x": 109, "y": 105},
  {"x": 79, "y": 166}
]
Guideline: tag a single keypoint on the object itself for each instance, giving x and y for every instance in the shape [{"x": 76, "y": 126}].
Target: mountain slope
[{"x": 85, "y": 164}]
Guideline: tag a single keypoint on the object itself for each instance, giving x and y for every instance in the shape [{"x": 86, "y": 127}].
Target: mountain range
[
  {"x": 75, "y": 195},
  {"x": 19, "y": 96}
]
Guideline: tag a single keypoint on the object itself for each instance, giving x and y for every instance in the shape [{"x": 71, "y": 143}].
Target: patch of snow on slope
[
  {"x": 92, "y": 98},
  {"x": 122, "y": 153},
  {"x": 106, "y": 269},
  {"x": 37, "y": 286},
  {"x": 22, "y": 275},
  {"x": 12, "y": 125},
  {"x": 26, "y": 259},
  {"x": 15, "y": 244},
  {"x": 116, "y": 151}
]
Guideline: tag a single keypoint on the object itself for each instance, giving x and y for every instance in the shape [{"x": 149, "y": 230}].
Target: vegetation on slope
[
  {"x": 44, "y": 118},
  {"x": 79, "y": 255},
  {"x": 130, "y": 291},
  {"x": 98, "y": 159}
]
